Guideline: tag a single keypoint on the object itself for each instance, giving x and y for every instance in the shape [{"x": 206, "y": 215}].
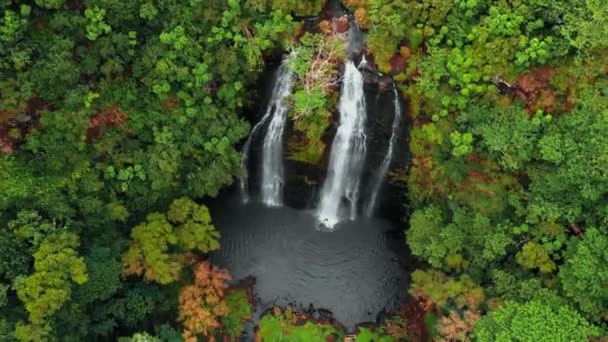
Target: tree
[
  {"x": 104, "y": 276},
  {"x": 30, "y": 227},
  {"x": 56, "y": 266},
  {"x": 282, "y": 325},
  {"x": 202, "y": 304},
  {"x": 470, "y": 235},
  {"x": 239, "y": 312},
  {"x": 586, "y": 26},
  {"x": 193, "y": 226},
  {"x": 533, "y": 255},
  {"x": 507, "y": 134},
  {"x": 571, "y": 185},
  {"x": 584, "y": 275},
  {"x": 514, "y": 286},
  {"x": 144, "y": 337},
  {"x": 438, "y": 289},
  {"x": 533, "y": 321},
  {"x": 140, "y": 303},
  {"x": 158, "y": 245},
  {"x": 424, "y": 235},
  {"x": 51, "y": 4},
  {"x": 15, "y": 259},
  {"x": 60, "y": 142},
  {"x": 366, "y": 335}
]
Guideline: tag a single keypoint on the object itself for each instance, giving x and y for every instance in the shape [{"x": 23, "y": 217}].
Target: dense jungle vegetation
[{"x": 118, "y": 119}]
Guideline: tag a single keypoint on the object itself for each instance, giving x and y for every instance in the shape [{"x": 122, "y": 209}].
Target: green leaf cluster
[
  {"x": 56, "y": 266},
  {"x": 158, "y": 244},
  {"x": 583, "y": 274},
  {"x": 278, "y": 328},
  {"x": 534, "y": 321},
  {"x": 239, "y": 312}
]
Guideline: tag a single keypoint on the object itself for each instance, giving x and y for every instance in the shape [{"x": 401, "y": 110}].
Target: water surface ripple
[{"x": 352, "y": 270}]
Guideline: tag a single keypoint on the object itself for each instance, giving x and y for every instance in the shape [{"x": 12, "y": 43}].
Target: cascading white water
[
  {"x": 272, "y": 167},
  {"x": 363, "y": 62},
  {"x": 347, "y": 153},
  {"x": 244, "y": 181},
  {"x": 273, "y": 176},
  {"x": 386, "y": 162}
]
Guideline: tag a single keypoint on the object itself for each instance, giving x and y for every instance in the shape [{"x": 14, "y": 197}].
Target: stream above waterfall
[{"x": 356, "y": 271}]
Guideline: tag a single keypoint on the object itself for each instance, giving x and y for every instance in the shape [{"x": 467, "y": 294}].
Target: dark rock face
[
  {"x": 304, "y": 182},
  {"x": 376, "y": 81},
  {"x": 380, "y": 115}
]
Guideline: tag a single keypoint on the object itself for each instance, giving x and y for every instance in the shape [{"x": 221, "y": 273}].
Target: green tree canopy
[
  {"x": 584, "y": 274},
  {"x": 534, "y": 321},
  {"x": 158, "y": 245},
  {"x": 57, "y": 265}
]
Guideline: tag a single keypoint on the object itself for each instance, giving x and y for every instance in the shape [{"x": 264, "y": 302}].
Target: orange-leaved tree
[{"x": 201, "y": 304}]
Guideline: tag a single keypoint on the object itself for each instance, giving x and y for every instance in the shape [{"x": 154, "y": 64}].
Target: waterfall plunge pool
[{"x": 356, "y": 271}]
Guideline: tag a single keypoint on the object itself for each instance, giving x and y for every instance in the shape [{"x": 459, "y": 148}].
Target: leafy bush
[
  {"x": 462, "y": 143},
  {"x": 56, "y": 266},
  {"x": 366, "y": 335},
  {"x": 533, "y": 321},
  {"x": 187, "y": 226},
  {"x": 239, "y": 312},
  {"x": 584, "y": 273},
  {"x": 441, "y": 290},
  {"x": 314, "y": 61},
  {"x": 281, "y": 326}
]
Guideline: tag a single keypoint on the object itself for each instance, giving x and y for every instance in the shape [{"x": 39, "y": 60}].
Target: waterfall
[
  {"x": 272, "y": 153},
  {"x": 273, "y": 175},
  {"x": 386, "y": 163},
  {"x": 244, "y": 182},
  {"x": 363, "y": 63},
  {"x": 347, "y": 153}
]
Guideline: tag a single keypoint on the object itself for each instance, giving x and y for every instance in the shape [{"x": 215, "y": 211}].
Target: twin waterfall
[
  {"x": 341, "y": 188},
  {"x": 273, "y": 174},
  {"x": 339, "y": 197}
]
